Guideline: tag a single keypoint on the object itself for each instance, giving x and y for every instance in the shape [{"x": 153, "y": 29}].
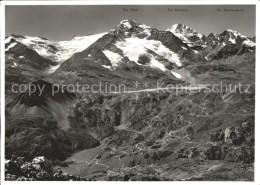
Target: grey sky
[{"x": 63, "y": 22}]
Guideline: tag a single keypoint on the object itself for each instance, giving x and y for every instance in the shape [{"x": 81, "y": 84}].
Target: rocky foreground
[
  {"x": 185, "y": 169},
  {"x": 226, "y": 158},
  {"x": 194, "y": 136},
  {"x": 40, "y": 168}
]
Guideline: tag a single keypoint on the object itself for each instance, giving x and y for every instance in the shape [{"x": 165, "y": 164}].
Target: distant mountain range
[{"x": 130, "y": 49}]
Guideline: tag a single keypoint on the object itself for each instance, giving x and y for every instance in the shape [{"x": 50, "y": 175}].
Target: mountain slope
[
  {"x": 48, "y": 100},
  {"x": 133, "y": 48},
  {"x": 57, "y": 51},
  {"x": 23, "y": 65},
  {"x": 227, "y": 44}
]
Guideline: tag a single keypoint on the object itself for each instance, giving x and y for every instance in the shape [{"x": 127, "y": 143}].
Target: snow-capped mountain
[
  {"x": 136, "y": 50},
  {"x": 228, "y": 43},
  {"x": 188, "y": 35},
  {"x": 136, "y": 44},
  {"x": 23, "y": 64},
  {"x": 57, "y": 51},
  {"x": 132, "y": 49},
  {"x": 17, "y": 51},
  {"x": 230, "y": 37},
  {"x": 198, "y": 41}
]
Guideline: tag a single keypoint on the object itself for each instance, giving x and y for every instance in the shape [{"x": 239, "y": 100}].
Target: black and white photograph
[{"x": 129, "y": 92}]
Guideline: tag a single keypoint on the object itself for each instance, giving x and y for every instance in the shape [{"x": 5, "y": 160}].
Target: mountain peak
[
  {"x": 128, "y": 23},
  {"x": 176, "y": 26},
  {"x": 129, "y": 27},
  {"x": 230, "y": 36},
  {"x": 233, "y": 32},
  {"x": 182, "y": 28},
  {"x": 187, "y": 34}
]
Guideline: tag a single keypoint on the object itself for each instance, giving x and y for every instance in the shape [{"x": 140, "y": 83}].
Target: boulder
[
  {"x": 20, "y": 160},
  {"x": 240, "y": 154},
  {"x": 27, "y": 167},
  {"x": 25, "y": 179},
  {"x": 231, "y": 157},
  {"x": 42, "y": 162},
  {"x": 218, "y": 135},
  {"x": 39, "y": 169},
  {"x": 202, "y": 155},
  {"x": 229, "y": 132},
  {"x": 194, "y": 153},
  {"x": 234, "y": 135},
  {"x": 12, "y": 168},
  {"x": 239, "y": 137},
  {"x": 43, "y": 175},
  {"x": 214, "y": 153},
  {"x": 10, "y": 177}
]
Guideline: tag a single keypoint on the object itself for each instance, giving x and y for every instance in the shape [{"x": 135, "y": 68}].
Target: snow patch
[
  {"x": 249, "y": 43},
  {"x": 108, "y": 67},
  {"x": 126, "y": 23},
  {"x": 200, "y": 35},
  {"x": 184, "y": 32},
  {"x": 177, "y": 75},
  {"x": 147, "y": 32},
  {"x": 195, "y": 51},
  {"x": 10, "y": 46},
  {"x": 114, "y": 58},
  {"x": 53, "y": 68},
  {"x": 133, "y": 48},
  {"x": 156, "y": 64},
  {"x": 8, "y": 39},
  {"x": 236, "y": 33},
  {"x": 232, "y": 40},
  {"x": 59, "y": 51},
  {"x": 183, "y": 48},
  {"x": 14, "y": 65},
  {"x": 181, "y": 36},
  {"x": 144, "y": 26},
  {"x": 78, "y": 44},
  {"x": 173, "y": 28}
]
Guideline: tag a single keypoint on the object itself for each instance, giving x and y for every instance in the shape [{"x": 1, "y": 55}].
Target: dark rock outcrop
[{"x": 39, "y": 169}]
